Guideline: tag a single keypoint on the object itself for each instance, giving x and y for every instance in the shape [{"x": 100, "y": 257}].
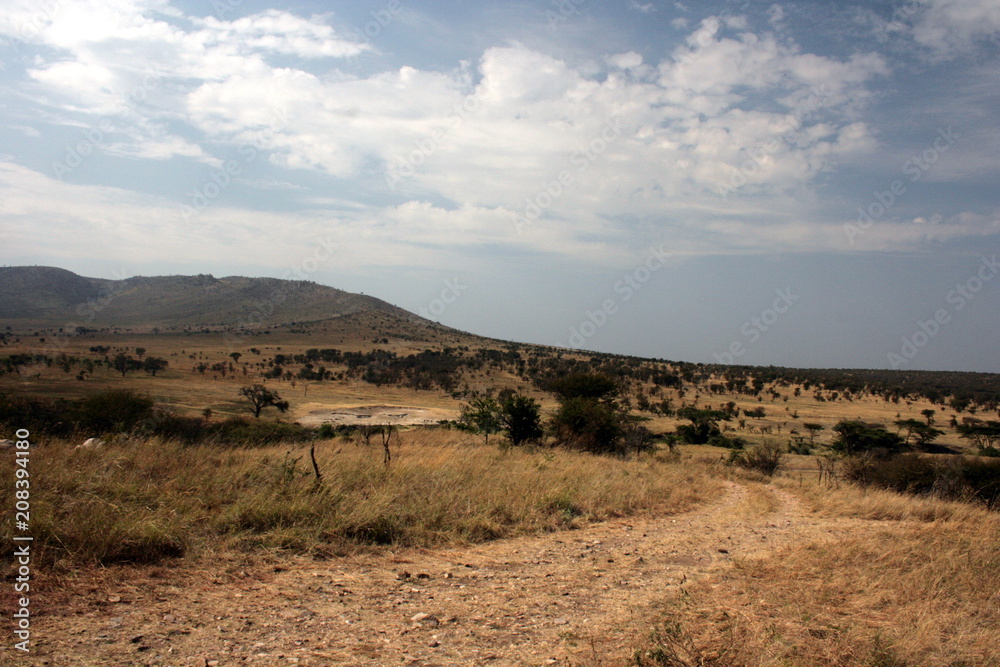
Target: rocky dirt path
[{"x": 581, "y": 596}]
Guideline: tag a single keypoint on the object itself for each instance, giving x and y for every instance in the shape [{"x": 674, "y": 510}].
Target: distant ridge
[{"x": 43, "y": 295}]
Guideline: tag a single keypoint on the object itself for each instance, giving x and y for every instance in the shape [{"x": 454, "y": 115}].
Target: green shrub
[
  {"x": 241, "y": 432},
  {"x": 956, "y": 478},
  {"x": 113, "y": 411}
]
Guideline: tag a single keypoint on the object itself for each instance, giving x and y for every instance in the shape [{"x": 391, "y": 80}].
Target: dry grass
[
  {"x": 146, "y": 500},
  {"x": 921, "y": 589},
  {"x": 845, "y": 499}
]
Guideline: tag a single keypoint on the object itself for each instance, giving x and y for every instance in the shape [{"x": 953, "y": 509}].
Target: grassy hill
[{"x": 48, "y": 296}]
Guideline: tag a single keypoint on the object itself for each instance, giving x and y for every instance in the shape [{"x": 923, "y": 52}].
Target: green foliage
[
  {"x": 592, "y": 386},
  {"x": 588, "y": 424},
  {"x": 983, "y": 434},
  {"x": 113, "y": 411},
  {"x": 720, "y": 440},
  {"x": 124, "y": 363},
  {"x": 956, "y": 478},
  {"x": 855, "y": 437},
  {"x": 38, "y": 415},
  {"x": 154, "y": 365},
  {"x": 261, "y": 397},
  {"x": 483, "y": 415},
  {"x": 521, "y": 418},
  {"x": 703, "y": 427}
]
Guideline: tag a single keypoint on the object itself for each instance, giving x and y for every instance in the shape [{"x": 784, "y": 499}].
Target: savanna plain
[{"x": 422, "y": 496}]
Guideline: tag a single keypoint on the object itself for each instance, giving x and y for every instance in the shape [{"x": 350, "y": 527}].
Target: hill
[{"x": 48, "y": 296}]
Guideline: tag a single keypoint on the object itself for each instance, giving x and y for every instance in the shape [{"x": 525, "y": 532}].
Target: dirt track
[{"x": 561, "y": 598}]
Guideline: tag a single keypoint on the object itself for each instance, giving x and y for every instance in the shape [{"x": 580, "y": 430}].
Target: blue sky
[{"x": 797, "y": 184}]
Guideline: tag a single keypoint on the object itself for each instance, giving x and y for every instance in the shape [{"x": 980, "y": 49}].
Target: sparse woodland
[{"x": 205, "y": 459}]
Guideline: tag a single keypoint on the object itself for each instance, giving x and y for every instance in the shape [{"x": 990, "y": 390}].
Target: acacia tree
[
  {"x": 154, "y": 365},
  {"x": 261, "y": 397},
  {"x": 483, "y": 414},
  {"x": 813, "y": 430},
  {"x": 123, "y": 363}
]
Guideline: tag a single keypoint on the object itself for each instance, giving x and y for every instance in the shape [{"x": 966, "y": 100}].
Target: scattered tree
[
  {"x": 520, "y": 416},
  {"x": 154, "y": 365},
  {"x": 123, "y": 363},
  {"x": 261, "y": 397},
  {"x": 856, "y": 437},
  {"x": 813, "y": 430},
  {"x": 483, "y": 414}
]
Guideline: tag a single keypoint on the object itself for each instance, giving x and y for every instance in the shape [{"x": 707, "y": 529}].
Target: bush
[
  {"x": 240, "y": 432},
  {"x": 113, "y": 411},
  {"x": 35, "y": 414},
  {"x": 764, "y": 458},
  {"x": 586, "y": 424},
  {"x": 955, "y": 478},
  {"x": 857, "y": 437},
  {"x": 720, "y": 440}
]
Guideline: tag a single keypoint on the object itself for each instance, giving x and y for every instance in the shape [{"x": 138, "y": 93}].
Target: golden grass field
[{"x": 873, "y": 578}]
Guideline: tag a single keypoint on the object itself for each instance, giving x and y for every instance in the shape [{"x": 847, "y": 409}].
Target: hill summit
[{"x": 49, "y": 296}]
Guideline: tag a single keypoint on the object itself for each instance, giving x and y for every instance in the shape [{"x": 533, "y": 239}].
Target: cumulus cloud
[
  {"x": 949, "y": 27},
  {"x": 720, "y": 139}
]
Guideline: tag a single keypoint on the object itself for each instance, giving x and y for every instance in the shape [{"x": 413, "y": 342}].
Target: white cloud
[
  {"x": 721, "y": 140},
  {"x": 954, "y": 26}
]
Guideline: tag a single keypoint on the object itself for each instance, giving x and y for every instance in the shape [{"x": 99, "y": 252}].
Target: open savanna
[
  {"x": 184, "y": 390},
  {"x": 728, "y": 567}
]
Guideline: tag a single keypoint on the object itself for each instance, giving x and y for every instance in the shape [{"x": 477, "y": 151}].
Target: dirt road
[{"x": 561, "y": 598}]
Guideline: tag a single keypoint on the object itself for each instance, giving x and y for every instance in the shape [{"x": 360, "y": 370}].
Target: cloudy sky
[{"x": 798, "y": 184}]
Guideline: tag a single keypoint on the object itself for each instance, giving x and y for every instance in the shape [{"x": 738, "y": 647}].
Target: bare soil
[
  {"x": 396, "y": 415},
  {"x": 584, "y": 596}
]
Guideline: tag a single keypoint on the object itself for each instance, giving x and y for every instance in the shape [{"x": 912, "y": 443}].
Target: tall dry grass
[
  {"x": 150, "y": 499},
  {"x": 917, "y": 583}
]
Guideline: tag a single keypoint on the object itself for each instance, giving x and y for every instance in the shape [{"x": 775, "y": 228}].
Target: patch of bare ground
[{"x": 574, "y": 597}]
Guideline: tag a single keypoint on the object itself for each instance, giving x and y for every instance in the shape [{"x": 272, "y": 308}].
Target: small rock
[
  {"x": 562, "y": 620},
  {"x": 434, "y": 643},
  {"x": 423, "y": 575},
  {"x": 723, "y": 551},
  {"x": 114, "y": 598},
  {"x": 169, "y": 618},
  {"x": 425, "y": 619},
  {"x": 404, "y": 575}
]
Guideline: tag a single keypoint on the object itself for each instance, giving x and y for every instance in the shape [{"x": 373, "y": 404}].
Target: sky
[{"x": 807, "y": 184}]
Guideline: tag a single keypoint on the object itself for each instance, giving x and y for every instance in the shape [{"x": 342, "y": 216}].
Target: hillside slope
[{"x": 53, "y": 296}]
